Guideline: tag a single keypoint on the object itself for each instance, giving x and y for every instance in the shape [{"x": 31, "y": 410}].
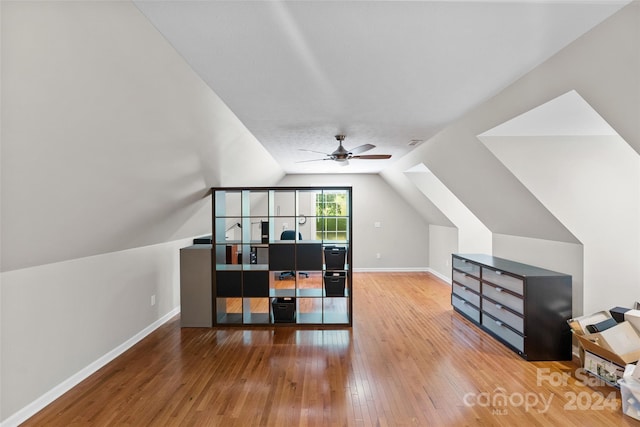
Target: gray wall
[{"x": 402, "y": 240}]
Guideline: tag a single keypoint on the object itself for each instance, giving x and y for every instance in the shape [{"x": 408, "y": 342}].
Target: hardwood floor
[{"x": 409, "y": 360}]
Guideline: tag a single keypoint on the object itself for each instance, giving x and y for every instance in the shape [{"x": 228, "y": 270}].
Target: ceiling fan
[{"x": 343, "y": 155}]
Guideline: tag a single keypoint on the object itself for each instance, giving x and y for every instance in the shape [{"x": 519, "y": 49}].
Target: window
[{"x": 331, "y": 213}]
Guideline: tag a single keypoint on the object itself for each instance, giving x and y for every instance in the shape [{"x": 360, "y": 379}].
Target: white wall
[
  {"x": 592, "y": 184},
  {"x": 473, "y": 235},
  {"x": 110, "y": 143},
  {"x": 563, "y": 257},
  {"x": 443, "y": 241},
  {"x": 403, "y": 238},
  {"x": 603, "y": 66},
  {"x": 61, "y": 321},
  {"x": 113, "y": 147}
]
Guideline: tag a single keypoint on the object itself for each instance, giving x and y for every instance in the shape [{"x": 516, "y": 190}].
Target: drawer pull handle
[
  {"x": 499, "y": 306},
  {"x": 498, "y": 289},
  {"x": 463, "y": 302},
  {"x": 499, "y": 273},
  {"x": 464, "y": 288},
  {"x": 499, "y": 323}
]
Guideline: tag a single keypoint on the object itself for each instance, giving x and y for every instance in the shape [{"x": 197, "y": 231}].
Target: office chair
[{"x": 291, "y": 235}]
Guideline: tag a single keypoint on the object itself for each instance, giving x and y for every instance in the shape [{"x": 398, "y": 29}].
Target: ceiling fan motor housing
[{"x": 341, "y": 154}]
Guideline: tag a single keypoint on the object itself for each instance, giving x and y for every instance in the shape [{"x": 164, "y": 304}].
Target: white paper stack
[
  {"x": 633, "y": 317},
  {"x": 621, "y": 339},
  {"x": 630, "y": 391}
]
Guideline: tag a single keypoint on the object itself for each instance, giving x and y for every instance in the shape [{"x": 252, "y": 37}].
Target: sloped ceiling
[
  {"x": 601, "y": 66},
  {"x": 567, "y": 115},
  {"x": 382, "y": 72},
  {"x": 109, "y": 140}
]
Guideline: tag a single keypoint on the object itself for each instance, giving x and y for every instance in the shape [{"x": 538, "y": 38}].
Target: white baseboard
[
  {"x": 440, "y": 276},
  {"x": 31, "y": 409}
]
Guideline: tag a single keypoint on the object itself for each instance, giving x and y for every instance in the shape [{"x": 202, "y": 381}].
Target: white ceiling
[{"x": 382, "y": 72}]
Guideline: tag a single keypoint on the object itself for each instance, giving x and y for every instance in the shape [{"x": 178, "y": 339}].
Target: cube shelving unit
[{"x": 269, "y": 249}]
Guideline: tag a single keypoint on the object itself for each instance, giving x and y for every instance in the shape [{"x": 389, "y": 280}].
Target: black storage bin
[
  {"x": 334, "y": 257},
  {"x": 284, "y": 310},
  {"x": 334, "y": 283}
]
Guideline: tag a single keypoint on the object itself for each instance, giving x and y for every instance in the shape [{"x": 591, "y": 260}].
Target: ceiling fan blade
[
  {"x": 313, "y": 160},
  {"x": 372, "y": 157},
  {"x": 362, "y": 148},
  {"x": 313, "y": 151}
]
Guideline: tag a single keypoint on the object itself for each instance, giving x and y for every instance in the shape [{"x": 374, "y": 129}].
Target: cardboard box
[
  {"x": 606, "y": 354},
  {"x": 603, "y": 363},
  {"x": 579, "y": 324},
  {"x": 602, "y": 368},
  {"x": 592, "y": 344}
]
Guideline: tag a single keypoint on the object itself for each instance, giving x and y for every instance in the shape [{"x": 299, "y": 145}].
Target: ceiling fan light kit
[{"x": 343, "y": 155}]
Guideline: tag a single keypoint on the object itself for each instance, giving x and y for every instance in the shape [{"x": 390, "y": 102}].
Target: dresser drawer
[
  {"x": 466, "y": 280},
  {"x": 501, "y": 297},
  {"x": 505, "y": 281},
  {"x": 466, "y": 266},
  {"x": 499, "y": 312},
  {"x": 498, "y": 328},
  {"x": 466, "y": 308},
  {"x": 466, "y": 294}
]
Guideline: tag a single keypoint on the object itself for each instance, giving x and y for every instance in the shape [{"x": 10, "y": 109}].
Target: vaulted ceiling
[{"x": 296, "y": 73}]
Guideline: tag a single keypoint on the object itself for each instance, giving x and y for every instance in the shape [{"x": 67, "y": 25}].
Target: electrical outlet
[
  {"x": 153, "y": 300},
  {"x": 378, "y": 255}
]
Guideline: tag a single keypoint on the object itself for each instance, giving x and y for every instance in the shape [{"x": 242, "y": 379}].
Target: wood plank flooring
[{"x": 409, "y": 360}]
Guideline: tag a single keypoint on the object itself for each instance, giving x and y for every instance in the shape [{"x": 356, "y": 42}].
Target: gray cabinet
[
  {"x": 195, "y": 286},
  {"x": 524, "y": 307}
]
